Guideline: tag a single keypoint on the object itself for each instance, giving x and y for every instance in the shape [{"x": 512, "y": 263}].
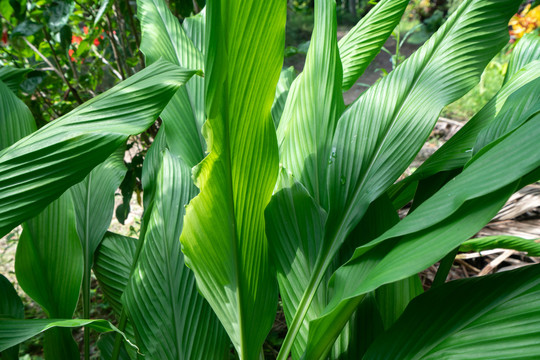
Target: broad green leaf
[
  {"x": 63, "y": 152},
  {"x": 49, "y": 261},
  {"x": 94, "y": 202},
  {"x": 172, "y": 319},
  {"x": 437, "y": 226},
  {"x": 16, "y": 120},
  {"x": 520, "y": 107},
  {"x": 151, "y": 166},
  {"x": 526, "y": 51},
  {"x": 365, "y": 40},
  {"x": 393, "y": 298},
  {"x": 224, "y": 233},
  {"x": 13, "y": 332},
  {"x": 455, "y": 153},
  {"x": 49, "y": 268},
  {"x": 531, "y": 247},
  {"x": 13, "y": 77},
  {"x": 492, "y": 317},
  {"x": 285, "y": 81},
  {"x": 373, "y": 266},
  {"x": 363, "y": 327},
  {"x": 380, "y": 134},
  {"x": 11, "y": 306},
  {"x": 313, "y": 106},
  {"x": 195, "y": 29},
  {"x": 112, "y": 266},
  {"x": 94, "y": 206},
  {"x": 295, "y": 230},
  {"x": 164, "y": 37}
]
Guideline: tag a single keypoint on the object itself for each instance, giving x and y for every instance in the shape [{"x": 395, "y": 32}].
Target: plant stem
[
  {"x": 444, "y": 268},
  {"x": 114, "y": 47},
  {"x": 55, "y": 69},
  {"x": 134, "y": 30},
  {"x": 55, "y": 58}
]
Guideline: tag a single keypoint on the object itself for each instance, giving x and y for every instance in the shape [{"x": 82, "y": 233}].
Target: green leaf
[
  {"x": 105, "y": 345},
  {"x": 526, "y": 51},
  {"x": 520, "y": 107},
  {"x": 13, "y": 77},
  {"x": 13, "y": 332},
  {"x": 531, "y": 247},
  {"x": 151, "y": 166},
  {"x": 49, "y": 268},
  {"x": 395, "y": 109},
  {"x": 49, "y": 260},
  {"x": 438, "y": 225},
  {"x": 57, "y": 14},
  {"x": 94, "y": 201},
  {"x": 364, "y": 41},
  {"x": 11, "y": 306},
  {"x": 26, "y": 28},
  {"x": 63, "y": 152},
  {"x": 295, "y": 230},
  {"x": 492, "y": 317},
  {"x": 380, "y": 134},
  {"x": 103, "y": 8},
  {"x": 163, "y": 36},
  {"x": 313, "y": 107},
  {"x": 455, "y": 153},
  {"x": 172, "y": 319},
  {"x": 112, "y": 267},
  {"x": 224, "y": 233},
  {"x": 16, "y": 120},
  {"x": 393, "y": 298},
  {"x": 373, "y": 266},
  {"x": 286, "y": 78}
]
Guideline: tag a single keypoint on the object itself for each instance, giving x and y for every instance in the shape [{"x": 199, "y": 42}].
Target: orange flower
[
  {"x": 70, "y": 52},
  {"x": 85, "y": 30},
  {"x": 524, "y": 22},
  {"x": 76, "y": 39}
]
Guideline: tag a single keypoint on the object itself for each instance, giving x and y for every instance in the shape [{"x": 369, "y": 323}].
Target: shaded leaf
[{"x": 492, "y": 317}]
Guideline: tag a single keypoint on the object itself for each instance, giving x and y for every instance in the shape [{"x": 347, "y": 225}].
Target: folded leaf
[
  {"x": 313, "y": 107},
  {"x": 13, "y": 332},
  {"x": 164, "y": 37},
  {"x": 172, "y": 319},
  {"x": 224, "y": 233},
  {"x": 365, "y": 40},
  {"x": 16, "y": 120},
  {"x": 526, "y": 51},
  {"x": 63, "y": 152},
  {"x": 531, "y": 247}
]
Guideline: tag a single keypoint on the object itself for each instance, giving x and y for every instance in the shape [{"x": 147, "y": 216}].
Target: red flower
[
  {"x": 85, "y": 30},
  {"x": 76, "y": 39},
  {"x": 96, "y": 41},
  {"x": 70, "y": 52},
  {"x": 4, "y": 36}
]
